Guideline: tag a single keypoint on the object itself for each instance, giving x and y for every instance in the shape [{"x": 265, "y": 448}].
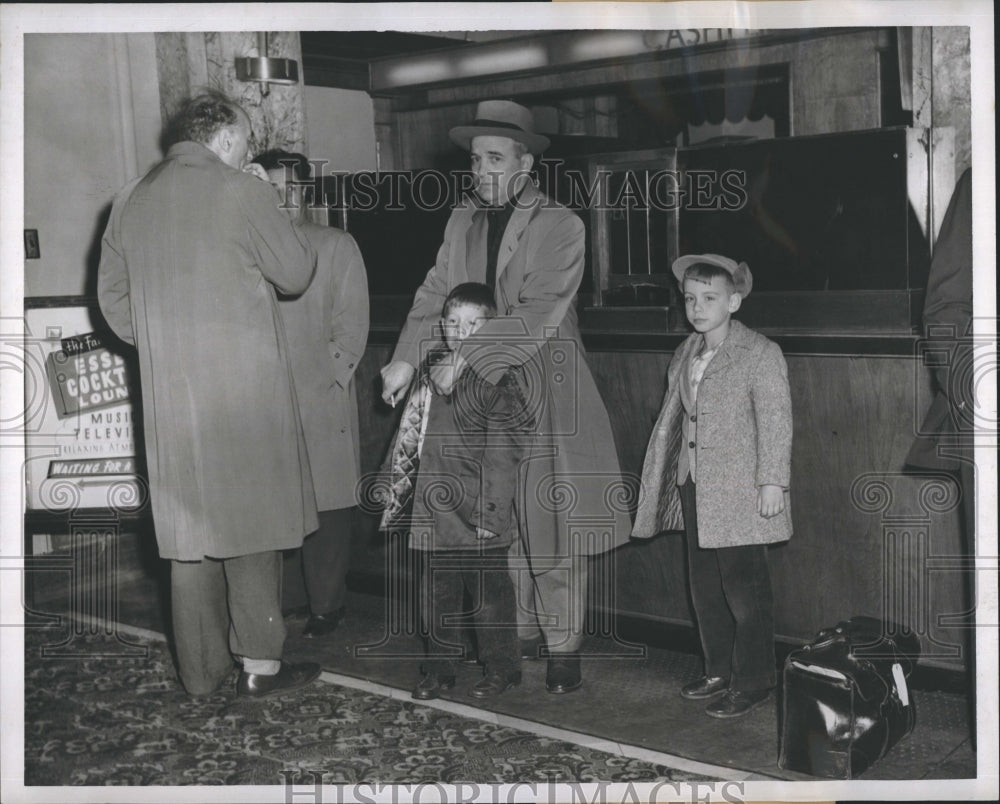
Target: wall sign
[{"x": 81, "y": 413}]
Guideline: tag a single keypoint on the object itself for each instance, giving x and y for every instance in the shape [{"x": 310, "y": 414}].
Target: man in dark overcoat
[
  {"x": 530, "y": 250},
  {"x": 945, "y": 440},
  {"x": 190, "y": 261}
]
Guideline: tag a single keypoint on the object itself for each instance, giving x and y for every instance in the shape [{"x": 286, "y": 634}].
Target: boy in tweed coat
[{"x": 717, "y": 465}]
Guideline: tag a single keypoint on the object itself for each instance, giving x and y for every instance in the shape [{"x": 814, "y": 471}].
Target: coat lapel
[
  {"x": 528, "y": 204},
  {"x": 730, "y": 348}
]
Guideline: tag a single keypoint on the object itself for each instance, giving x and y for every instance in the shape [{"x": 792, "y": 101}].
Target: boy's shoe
[
  {"x": 563, "y": 673},
  {"x": 736, "y": 704},
  {"x": 705, "y": 687},
  {"x": 431, "y": 686},
  {"x": 494, "y": 683}
]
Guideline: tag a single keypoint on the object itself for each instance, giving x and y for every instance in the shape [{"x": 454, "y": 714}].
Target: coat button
[
  {"x": 350, "y": 365},
  {"x": 337, "y": 354},
  {"x": 491, "y": 506},
  {"x": 691, "y": 444},
  {"x": 694, "y": 418}
]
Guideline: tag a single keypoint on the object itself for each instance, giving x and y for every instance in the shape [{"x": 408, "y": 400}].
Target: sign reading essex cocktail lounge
[{"x": 80, "y": 433}]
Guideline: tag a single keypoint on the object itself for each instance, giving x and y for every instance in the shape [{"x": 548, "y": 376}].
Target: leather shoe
[
  {"x": 289, "y": 677},
  {"x": 563, "y": 673},
  {"x": 736, "y": 704},
  {"x": 320, "y": 625},
  {"x": 492, "y": 684},
  {"x": 431, "y": 686},
  {"x": 705, "y": 687},
  {"x": 532, "y": 648}
]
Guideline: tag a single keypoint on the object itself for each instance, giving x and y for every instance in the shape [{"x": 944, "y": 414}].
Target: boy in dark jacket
[{"x": 453, "y": 474}]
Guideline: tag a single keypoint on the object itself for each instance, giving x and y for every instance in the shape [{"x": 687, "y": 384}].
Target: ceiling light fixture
[{"x": 265, "y": 69}]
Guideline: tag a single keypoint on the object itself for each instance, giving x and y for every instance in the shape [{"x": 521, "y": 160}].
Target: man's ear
[
  {"x": 225, "y": 139},
  {"x": 527, "y": 160},
  {"x": 735, "y": 300}
]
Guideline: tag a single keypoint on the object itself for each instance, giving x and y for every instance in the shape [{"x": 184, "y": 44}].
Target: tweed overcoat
[
  {"x": 570, "y": 499},
  {"x": 744, "y": 440},
  {"x": 327, "y": 327},
  {"x": 189, "y": 264}
]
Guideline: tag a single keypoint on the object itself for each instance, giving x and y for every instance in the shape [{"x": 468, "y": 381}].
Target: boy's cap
[{"x": 740, "y": 272}]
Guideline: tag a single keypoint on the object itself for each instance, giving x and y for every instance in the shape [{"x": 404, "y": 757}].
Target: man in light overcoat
[
  {"x": 530, "y": 250},
  {"x": 190, "y": 261}
]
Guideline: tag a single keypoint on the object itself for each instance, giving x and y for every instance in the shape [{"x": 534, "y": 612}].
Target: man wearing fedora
[{"x": 530, "y": 250}]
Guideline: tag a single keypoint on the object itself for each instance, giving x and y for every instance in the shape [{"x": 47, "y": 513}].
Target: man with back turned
[{"x": 190, "y": 261}]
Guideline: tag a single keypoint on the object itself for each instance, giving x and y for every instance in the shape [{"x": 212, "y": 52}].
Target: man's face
[
  {"x": 234, "y": 142},
  {"x": 499, "y": 171},
  {"x": 291, "y": 192},
  {"x": 709, "y": 304},
  {"x": 460, "y": 321}
]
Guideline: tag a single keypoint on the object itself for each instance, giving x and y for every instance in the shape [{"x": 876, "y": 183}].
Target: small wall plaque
[{"x": 31, "y": 248}]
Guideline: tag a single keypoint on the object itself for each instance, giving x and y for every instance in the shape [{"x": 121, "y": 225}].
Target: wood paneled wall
[{"x": 868, "y": 539}]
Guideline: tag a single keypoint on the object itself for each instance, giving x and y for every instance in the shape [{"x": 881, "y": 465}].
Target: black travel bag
[{"x": 846, "y": 698}]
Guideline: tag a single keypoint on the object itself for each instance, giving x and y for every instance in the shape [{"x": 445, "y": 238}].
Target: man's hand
[
  {"x": 445, "y": 374},
  {"x": 770, "y": 501},
  {"x": 256, "y": 170},
  {"x": 482, "y": 533},
  {"x": 396, "y": 378}
]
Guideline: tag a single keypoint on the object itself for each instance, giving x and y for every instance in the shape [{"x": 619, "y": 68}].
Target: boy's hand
[
  {"x": 770, "y": 501},
  {"x": 256, "y": 170},
  {"x": 481, "y": 533}
]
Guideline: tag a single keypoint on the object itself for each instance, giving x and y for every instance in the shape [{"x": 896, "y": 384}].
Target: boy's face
[
  {"x": 460, "y": 321},
  {"x": 709, "y": 304}
]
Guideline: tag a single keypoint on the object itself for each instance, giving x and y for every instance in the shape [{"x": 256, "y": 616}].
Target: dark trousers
[
  {"x": 321, "y": 564},
  {"x": 445, "y": 578},
  {"x": 733, "y": 604},
  {"x": 224, "y": 608}
]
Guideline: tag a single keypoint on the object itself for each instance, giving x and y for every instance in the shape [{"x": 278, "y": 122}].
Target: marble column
[{"x": 191, "y": 62}]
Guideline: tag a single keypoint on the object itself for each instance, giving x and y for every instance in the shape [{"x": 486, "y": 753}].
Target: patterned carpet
[{"x": 127, "y": 721}]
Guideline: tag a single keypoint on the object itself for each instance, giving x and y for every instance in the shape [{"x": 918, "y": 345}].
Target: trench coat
[
  {"x": 744, "y": 440},
  {"x": 327, "y": 327},
  {"x": 189, "y": 264},
  {"x": 571, "y": 499}
]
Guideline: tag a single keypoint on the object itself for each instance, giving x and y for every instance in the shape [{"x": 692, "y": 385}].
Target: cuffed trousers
[{"x": 224, "y": 608}]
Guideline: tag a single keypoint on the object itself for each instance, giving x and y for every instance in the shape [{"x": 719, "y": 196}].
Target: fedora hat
[
  {"x": 501, "y": 118},
  {"x": 740, "y": 272}
]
